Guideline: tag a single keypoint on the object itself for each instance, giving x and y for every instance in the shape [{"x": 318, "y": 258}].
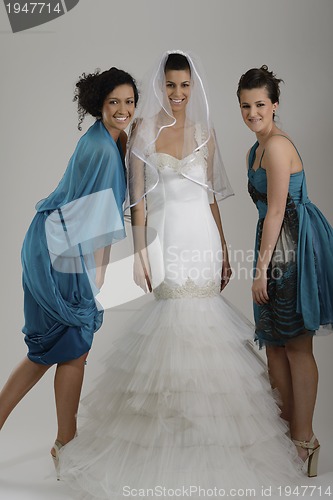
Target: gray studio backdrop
[{"x": 38, "y": 124}]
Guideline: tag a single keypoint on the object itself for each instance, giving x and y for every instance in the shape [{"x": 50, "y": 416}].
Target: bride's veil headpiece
[{"x": 154, "y": 114}]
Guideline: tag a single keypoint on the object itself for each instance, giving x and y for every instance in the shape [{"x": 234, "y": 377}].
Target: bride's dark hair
[{"x": 176, "y": 62}]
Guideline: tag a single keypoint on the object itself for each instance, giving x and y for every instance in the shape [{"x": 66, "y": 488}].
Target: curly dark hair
[
  {"x": 257, "y": 78},
  {"x": 176, "y": 62},
  {"x": 92, "y": 89}
]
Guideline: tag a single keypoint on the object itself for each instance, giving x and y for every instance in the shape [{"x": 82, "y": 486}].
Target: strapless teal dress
[{"x": 300, "y": 275}]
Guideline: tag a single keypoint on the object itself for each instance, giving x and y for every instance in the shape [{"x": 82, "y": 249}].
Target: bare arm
[
  {"x": 102, "y": 258},
  {"x": 141, "y": 271},
  {"x": 226, "y": 269}
]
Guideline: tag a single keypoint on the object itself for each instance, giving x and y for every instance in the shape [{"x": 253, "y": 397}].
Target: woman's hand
[
  {"x": 259, "y": 288},
  {"x": 226, "y": 274},
  {"x": 141, "y": 271}
]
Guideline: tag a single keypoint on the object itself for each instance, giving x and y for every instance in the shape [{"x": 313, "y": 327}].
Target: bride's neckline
[
  {"x": 196, "y": 149},
  {"x": 171, "y": 156},
  {"x": 174, "y": 157}
]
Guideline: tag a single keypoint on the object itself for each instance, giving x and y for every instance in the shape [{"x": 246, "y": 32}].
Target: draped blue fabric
[
  {"x": 314, "y": 249},
  {"x": 83, "y": 214}
]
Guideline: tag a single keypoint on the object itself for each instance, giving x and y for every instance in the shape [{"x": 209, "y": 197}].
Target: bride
[{"x": 182, "y": 405}]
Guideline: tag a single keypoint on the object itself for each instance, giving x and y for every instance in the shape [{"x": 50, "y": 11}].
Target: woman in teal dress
[
  {"x": 67, "y": 248},
  {"x": 293, "y": 280}
]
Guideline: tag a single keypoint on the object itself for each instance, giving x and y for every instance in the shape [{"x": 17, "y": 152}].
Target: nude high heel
[
  {"x": 313, "y": 454},
  {"x": 56, "y": 447}
]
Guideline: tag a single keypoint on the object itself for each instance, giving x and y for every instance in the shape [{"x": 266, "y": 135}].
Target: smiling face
[
  {"x": 178, "y": 89},
  {"x": 257, "y": 110},
  {"x": 118, "y": 109}
]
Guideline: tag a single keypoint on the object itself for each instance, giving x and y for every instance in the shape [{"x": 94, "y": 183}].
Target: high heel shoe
[
  {"x": 313, "y": 454},
  {"x": 56, "y": 447}
]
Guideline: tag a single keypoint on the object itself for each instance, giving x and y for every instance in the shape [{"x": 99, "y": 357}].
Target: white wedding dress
[{"x": 182, "y": 402}]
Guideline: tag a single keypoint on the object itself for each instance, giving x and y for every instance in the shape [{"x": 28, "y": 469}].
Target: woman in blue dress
[
  {"x": 293, "y": 281},
  {"x": 67, "y": 248}
]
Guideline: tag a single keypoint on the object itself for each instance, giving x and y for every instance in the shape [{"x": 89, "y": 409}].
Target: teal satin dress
[
  {"x": 300, "y": 275},
  {"x": 83, "y": 214}
]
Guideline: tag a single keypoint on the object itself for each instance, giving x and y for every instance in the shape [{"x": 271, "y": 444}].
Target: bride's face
[{"x": 178, "y": 88}]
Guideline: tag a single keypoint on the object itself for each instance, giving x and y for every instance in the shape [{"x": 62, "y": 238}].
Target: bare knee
[
  {"x": 275, "y": 353},
  {"x": 299, "y": 347}
]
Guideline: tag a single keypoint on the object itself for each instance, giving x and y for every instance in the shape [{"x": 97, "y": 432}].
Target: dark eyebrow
[
  {"x": 118, "y": 98},
  {"x": 170, "y": 81},
  {"x": 256, "y": 102}
]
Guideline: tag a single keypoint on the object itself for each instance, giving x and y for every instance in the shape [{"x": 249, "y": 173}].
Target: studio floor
[{"x": 26, "y": 469}]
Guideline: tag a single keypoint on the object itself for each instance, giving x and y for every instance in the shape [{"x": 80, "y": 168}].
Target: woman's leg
[
  {"x": 21, "y": 380},
  {"x": 67, "y": 386},
  {"x": 280, "y": 378},
  {"x": 304, "y": 375}
]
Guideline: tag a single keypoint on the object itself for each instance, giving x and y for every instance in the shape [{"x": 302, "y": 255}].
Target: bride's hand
[
  {"x": 226, "y": 274},
  {"x": 141, "y": 271}
]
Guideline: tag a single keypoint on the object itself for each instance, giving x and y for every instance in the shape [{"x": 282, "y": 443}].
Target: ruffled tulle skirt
[{"x": 182, "y": 403}]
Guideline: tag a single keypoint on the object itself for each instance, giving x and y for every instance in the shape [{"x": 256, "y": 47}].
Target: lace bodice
[
  {"x": 183, "y": 167},
  {"x": 200, "y": 135},
  {"x": 188, "y": 290},
  {"x": 178, "y": 210}
]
